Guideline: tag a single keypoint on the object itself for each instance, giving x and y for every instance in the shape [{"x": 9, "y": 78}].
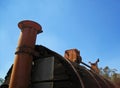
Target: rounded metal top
[{"x": 30, "y": 24}]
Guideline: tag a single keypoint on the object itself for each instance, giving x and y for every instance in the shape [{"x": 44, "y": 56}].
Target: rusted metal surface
[
  {"x": 23, "y": 59},
  {"x": 73, "y": 55},
  {"x": 85, "y": 77},
  {"x": 66, "y": 74},
  {"x": 36, "y": 66},
  {"x": 94, "y": 66},
  {"x": 74, "y": 79}
]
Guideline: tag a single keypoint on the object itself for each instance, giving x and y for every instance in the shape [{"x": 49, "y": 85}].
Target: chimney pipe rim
[{"x": 31, "y": 24}]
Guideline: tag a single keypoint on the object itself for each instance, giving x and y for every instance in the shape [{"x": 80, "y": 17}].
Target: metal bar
[
  {"x": 85, "y": 65},
  {"x": 80, "y": 79},
  {"x": 93, "y": 78}
]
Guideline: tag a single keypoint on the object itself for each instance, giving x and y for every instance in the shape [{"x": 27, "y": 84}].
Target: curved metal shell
[
  {"x": 51, "y": 70},
  {"x": 67, "y": 74}
]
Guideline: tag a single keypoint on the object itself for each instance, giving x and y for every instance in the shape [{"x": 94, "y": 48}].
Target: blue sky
[{"x": 91, "y": 26}]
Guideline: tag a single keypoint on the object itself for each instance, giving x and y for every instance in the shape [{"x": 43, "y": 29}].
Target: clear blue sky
[{"x": 92, "y": 26}]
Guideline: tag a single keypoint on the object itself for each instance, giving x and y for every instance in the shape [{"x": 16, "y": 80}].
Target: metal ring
[{"x": 25, "y": 49}]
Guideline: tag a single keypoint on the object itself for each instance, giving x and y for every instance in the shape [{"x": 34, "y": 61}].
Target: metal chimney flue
[{"x": 21, "y": 72}]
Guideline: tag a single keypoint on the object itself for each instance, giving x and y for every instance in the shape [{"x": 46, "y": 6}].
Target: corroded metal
[
  {"x": 36, "y": 66},
  {"x": 94, "y": 66},
  {"x": 73, "y": 55},
  {"x": 51, "y": 70},
  {"x": 20, "y": 77}
]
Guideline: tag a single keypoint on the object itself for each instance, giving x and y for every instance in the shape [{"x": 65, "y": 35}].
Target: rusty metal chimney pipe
[{"x": 21, "y": 72}]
